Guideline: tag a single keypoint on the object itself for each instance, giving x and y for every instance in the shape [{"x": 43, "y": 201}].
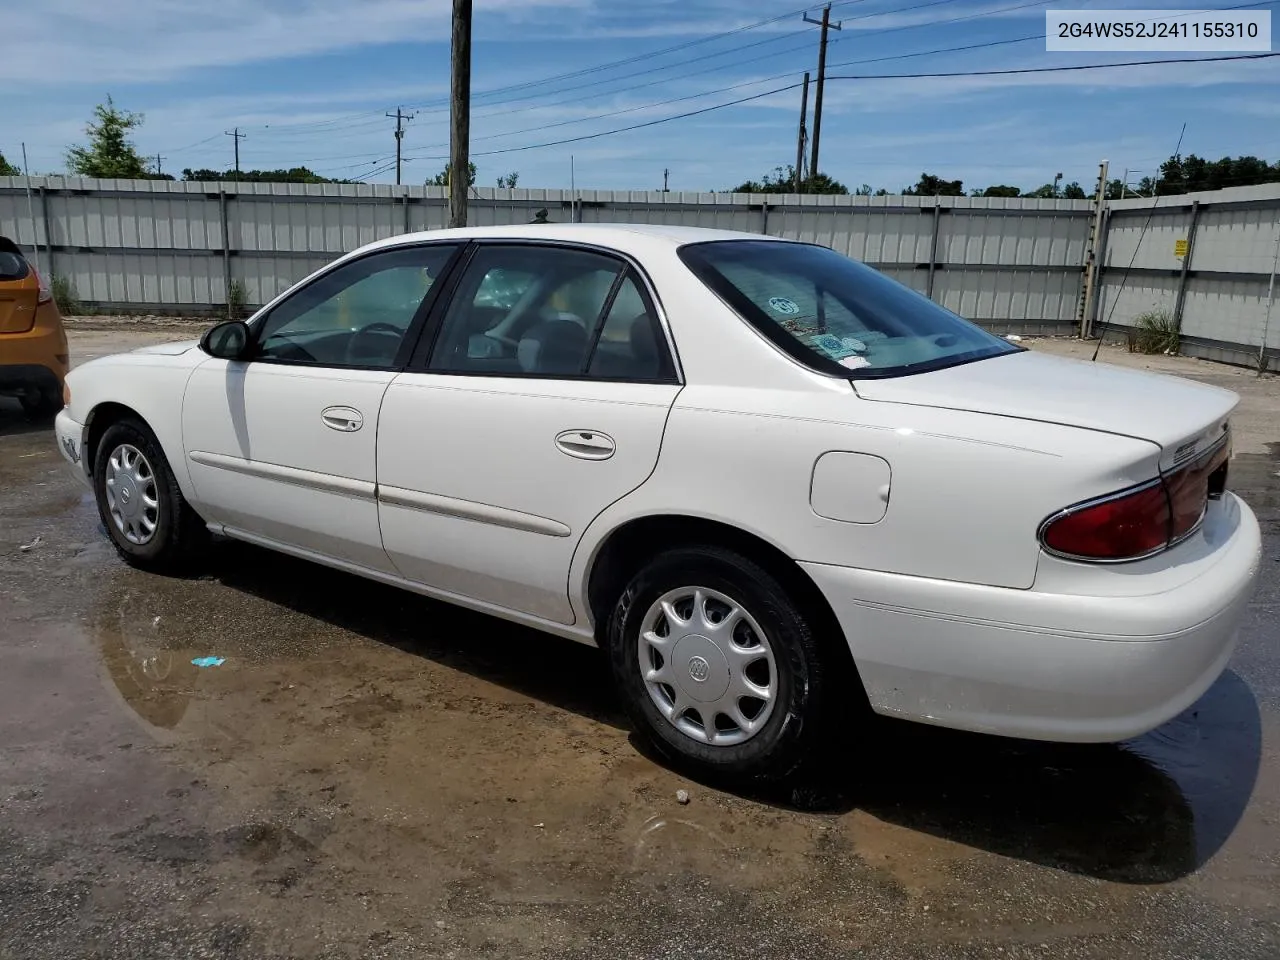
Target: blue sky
[{"x": 308, "y": 81}]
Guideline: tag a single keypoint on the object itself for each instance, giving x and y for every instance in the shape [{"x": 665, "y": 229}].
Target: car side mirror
[{"x": 229, "y": 340}]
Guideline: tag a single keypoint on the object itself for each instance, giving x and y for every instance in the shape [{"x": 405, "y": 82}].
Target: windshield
[{"x": 834, "y": 314}]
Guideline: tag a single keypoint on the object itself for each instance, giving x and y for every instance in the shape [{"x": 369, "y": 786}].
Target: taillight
[
  {"x": 1143, "y": 520},
  {"x": 44, "y": 294},
  {"x": 1122, "y": 527}
]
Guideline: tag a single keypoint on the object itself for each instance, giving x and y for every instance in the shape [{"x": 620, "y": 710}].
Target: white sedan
[{"x": 771, "y": 482}]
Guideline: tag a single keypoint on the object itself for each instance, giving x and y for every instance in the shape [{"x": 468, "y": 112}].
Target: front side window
[
  {"x": 543, "y": 311},
  {"x": 356, "y": 315},
  {"x": 835, "y": 314}
]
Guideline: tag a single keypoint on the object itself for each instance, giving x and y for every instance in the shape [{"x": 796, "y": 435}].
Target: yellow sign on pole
[{"x": 1180, "y": 248}]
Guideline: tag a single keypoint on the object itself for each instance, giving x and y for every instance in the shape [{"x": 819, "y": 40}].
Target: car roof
[{"x": 626, "y": 237}]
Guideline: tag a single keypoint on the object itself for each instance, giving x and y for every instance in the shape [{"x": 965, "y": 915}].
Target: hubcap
[
  {"x": 133, "y": 500},
  {"x": 707, "y": 665}
]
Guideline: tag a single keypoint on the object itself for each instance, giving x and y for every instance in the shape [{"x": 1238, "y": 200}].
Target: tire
[
  {"x": 146, "y": 516},
  {"x": 40, "y": 405},
  {"x": 795, "y": 721}
]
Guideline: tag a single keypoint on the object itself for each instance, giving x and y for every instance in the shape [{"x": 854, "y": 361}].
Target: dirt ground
[{"x": 370, "y": 774}]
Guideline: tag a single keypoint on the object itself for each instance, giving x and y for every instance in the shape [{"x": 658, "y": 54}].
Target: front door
[
  {"x": 543, "y": 401},
  {"x": 282, "y": 447}
]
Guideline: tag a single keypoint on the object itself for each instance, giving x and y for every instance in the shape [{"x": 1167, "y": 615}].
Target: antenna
[{"x": 1124, "y": 277}]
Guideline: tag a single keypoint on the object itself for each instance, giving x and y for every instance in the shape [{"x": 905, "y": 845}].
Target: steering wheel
[
  {"x": 354, "y": 352},
  {"x": 380, "y": 327}
]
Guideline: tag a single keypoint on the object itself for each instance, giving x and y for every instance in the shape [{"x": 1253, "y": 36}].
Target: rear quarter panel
[{"x": 966, "y": 496}]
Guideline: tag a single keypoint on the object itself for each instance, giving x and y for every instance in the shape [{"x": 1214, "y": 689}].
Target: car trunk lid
[{"x": 1182, "y": 417}]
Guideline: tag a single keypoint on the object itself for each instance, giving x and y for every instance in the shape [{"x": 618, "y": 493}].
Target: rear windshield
[
  {"x": 835, "y": 314},
  {"x": 12, "y": 264}
]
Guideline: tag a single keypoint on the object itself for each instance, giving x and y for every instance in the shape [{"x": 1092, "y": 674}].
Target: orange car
[{"x": 33, "y": 345}]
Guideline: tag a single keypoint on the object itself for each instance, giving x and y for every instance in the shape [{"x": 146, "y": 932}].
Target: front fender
[{"x": 151, "y": 386}]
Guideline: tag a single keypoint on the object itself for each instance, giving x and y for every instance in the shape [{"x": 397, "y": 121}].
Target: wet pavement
[{"x": 371, "y": 774}]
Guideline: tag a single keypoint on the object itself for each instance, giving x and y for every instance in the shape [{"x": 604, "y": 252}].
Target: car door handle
[
  {"x": 343, "y": 419},
  {"x": 586, "y": 444}
]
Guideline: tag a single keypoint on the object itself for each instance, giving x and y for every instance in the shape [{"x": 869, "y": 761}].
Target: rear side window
[
  {"x": 13, "y": 266},
  {"x": 835, "y": 314}
]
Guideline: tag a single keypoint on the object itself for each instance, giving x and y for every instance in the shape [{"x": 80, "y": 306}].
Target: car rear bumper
[
  {"x": 70, "y": 435},
  {"x": 21, "y": 378},
  {"x": 1051, "y": 665}
]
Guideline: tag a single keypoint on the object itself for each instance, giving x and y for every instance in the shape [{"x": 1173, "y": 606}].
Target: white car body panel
[
  {"x": 262, "y": 459},
  {"x": 953, "y": 613},
  {"x": 452, "y": 449},
  {"x": 1103, "y": 397}
]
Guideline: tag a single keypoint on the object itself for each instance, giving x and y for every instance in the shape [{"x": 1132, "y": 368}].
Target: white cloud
[{"x": 146, "y": 40}]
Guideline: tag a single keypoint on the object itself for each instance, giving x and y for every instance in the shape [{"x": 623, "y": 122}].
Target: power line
[
  {"x": 1074, "y": 67},
  {"x": 584, "y": 71},
  {"x": 883, "y": 76}
]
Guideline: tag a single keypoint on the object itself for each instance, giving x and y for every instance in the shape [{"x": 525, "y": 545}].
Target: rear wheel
[
  {"x": 718, "y": 666},
  {"x": 149, "y": 521}
]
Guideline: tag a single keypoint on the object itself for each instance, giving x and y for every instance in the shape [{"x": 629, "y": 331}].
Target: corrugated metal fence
[
  {"x": 1216, "y": 292},
  {"x": 167, "y": 246},
  {"x": 1014, "y": 265}
]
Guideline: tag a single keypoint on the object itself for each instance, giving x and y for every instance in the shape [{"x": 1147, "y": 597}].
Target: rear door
[
  {"x": 543, "y": 401},
  {"x": 19, "y": 290}
]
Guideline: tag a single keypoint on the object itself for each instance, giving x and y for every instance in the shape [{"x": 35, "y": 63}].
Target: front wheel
[
  {"x": 149, "y": 521},
  {"x": 718, "y": 666}
]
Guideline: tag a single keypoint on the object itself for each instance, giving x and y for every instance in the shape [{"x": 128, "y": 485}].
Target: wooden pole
[
  {"x": 460, "y": 114},
  {"x": 804, "y": 112}
]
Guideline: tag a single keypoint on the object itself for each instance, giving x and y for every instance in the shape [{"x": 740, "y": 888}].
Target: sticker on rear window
[
  {"x": 854, "y": 362},
  {"x": 784, "y": 306},
  {"x": 837, "y": 348}
]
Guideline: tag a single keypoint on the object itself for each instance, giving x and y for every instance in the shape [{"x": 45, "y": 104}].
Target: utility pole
[
  {"x": 35, "y": 236},
  {"x": 400, "y": 118},
  {"x": 826, "y": 25},
  {"x": 158, "y": 161},
  {"x": 239, "y": 136},
  {"x": 460, "y": 113},
  {"x": 804, "y": 114},
  {"x": 665, "y": 175}
]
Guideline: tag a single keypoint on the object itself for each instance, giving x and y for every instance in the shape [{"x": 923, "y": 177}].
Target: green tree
[
  {"x": 509, "y": 180},
  {"x": 783, "y": 180},
  {"x": 997, "y": 191},
  {"x": 863, "y": 191},
  {"x": 109, "y": 152},
  {"x": 1192, "y": 173},
  {"x": 441, "y": 179},
  {"x": 292, "y": 175},
  {"x": 7, "y": 169},
  {"x": 932, "y": 186},
  {"x": 1073, "y": 191}
]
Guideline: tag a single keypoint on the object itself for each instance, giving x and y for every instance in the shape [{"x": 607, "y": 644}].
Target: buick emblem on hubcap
[
  {"x": 124, "y": 495},
  {"x": 699, "y": 669}
]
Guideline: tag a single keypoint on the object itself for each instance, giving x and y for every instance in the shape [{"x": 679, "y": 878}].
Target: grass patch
[
  {"x": 237, "y": 299},
  {"x": 1156, "y": 333},
  {"x": 64, "y": 295}
]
